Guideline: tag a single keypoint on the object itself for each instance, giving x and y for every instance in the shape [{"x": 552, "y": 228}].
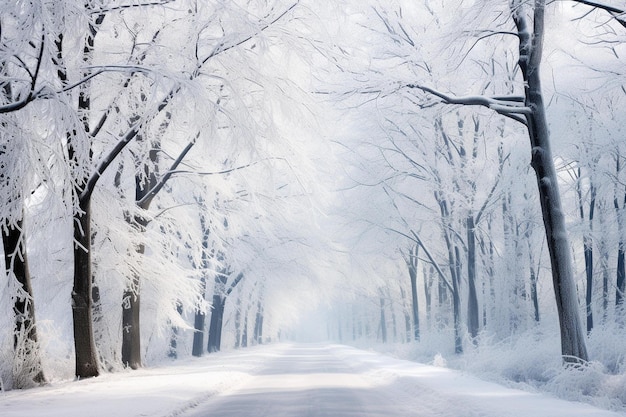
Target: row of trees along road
[
  {"x": 142, "y": 127},
  {"x": 166, "y": 154},
  {"x": 450, "y": 158}
]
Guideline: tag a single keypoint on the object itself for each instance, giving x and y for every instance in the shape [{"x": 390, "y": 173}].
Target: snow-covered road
[
  {"x": 337, "y": 381},
  {"x": 288, "y": 380}
]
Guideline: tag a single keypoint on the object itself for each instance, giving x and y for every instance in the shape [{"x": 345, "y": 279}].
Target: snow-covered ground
[{"x": 288, "y": 380}]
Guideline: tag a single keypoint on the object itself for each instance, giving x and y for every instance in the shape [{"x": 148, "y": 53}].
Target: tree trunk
[
  {"x": 131, "y": 326},
  {"x": 573, "y": 347},
  {"x": 588, "y": 252},
  {"x": 244, "y": 333},
  {"x": 173, "y": 352},
  {"x": 258, "y": 324},
  {"x": 199, "y": 324},
  {"x": 383, "y": 321},
  {"x": 131, "y": 323},
  {"x": 25, "y": 342},
  {"x": 620, "y": 279},
  {"x": 394, "y": 321},
  {"x": 428, "y": 286},
  {"x": 86, "y": 356},
  {"x": 87, "y": 364},
  {"x": 621, "y": 274},
  {"x": 215, "y": 326},
  {"x": 407, "y": 318},
  {"x": 587, "y": 246},
  {"x": 456, "y": 302},
  {"x": 533, "y": 293},
  {"x": 454, "y": 264},
  {"x": 472, "y": 301},
  {"x": 412, "y": 263}
]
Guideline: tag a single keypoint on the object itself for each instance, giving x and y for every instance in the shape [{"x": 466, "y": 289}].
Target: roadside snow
[{"x": 289, "y": 380}]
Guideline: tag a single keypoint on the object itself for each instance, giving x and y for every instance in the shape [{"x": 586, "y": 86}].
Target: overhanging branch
[{"x": 509, "y": 106}]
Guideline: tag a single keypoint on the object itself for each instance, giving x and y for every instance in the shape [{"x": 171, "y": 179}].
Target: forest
[{"x": 443, "y": 180}]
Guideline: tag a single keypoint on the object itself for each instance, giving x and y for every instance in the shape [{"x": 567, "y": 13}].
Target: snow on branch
[{"x": 509, "y": 106}]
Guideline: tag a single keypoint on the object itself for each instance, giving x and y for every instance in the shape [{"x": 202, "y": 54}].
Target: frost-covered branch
[
  {"x": 223, "y": 46},
  {"x": 508, "y": 106},
  {"x": 33, "y": 82}
]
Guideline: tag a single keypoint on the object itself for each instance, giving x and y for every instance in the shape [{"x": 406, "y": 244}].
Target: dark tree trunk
[
  {"x": 621, "y": 275},
  {"x": 199, "y": 326},
  {"x": 200, "y": 315},
  {"x": 412, "y": 264},
  {"x": 456, "y": 302},
  {"x": 620, "y": 281},
  {"x": 25, "y": 342},
  {"x": 215, "y": 326},
  {"x": 131, "y": 322},
  {"x": 587, "y": 247},
  {"x": 473, "y": 322},
  {"x": 573, "y": 346},
  {"x": 87, "y": 364},
  {"x": 131, "y": 326},
  {"x": 86, "y": 356},
  {"x": 588, "y": 251},
  {"x": 454, "y": 264}
]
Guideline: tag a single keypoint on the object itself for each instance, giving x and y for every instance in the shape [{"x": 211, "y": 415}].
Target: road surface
[
  {"x": 286, "y": 380},
  {"x": 337, "y": 381}
]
